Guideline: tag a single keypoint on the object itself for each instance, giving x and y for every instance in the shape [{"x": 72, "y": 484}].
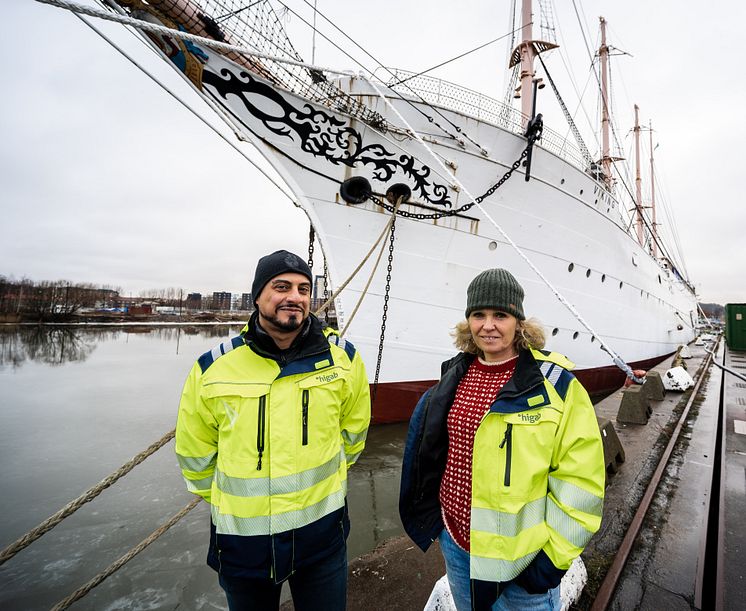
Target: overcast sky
[{"x": 104, "y": 178}]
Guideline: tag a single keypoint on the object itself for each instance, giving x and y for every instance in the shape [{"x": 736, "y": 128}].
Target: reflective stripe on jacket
[
  {"x": 538, "y": 471},
  {"x": 268, "y": 446}
]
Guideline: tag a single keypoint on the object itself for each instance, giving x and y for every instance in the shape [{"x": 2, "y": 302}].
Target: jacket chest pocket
[
  {"x": 528, "y": 444},
  {"x": 320, "y": 396},
  {"x": 242, "y": 413}
]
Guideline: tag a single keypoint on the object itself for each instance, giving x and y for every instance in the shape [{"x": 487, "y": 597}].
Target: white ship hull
[{"x": 563, "y": 220}]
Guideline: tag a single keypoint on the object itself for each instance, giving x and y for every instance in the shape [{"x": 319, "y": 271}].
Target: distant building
[
  {"x": 144, "y": 309},
  {"x": 194, "y": 301},
  {"x": 246, "y": 303},
  {"x": 221, "y": 300}
]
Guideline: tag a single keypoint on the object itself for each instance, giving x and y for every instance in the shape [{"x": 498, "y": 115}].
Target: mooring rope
[
  {"x": 618, "y": 361},
  {"x": 354, "y": 273},
  {"x": 115, "y": 566},
  {"x": 84, "y": 498},
  {"x": 364, "y": 292}
]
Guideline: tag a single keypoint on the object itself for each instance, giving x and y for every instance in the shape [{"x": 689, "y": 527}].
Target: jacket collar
[
  {"x": 310, "y": 341},
  {"x": 527, "y": 382},
  {"x": 527, "y": 376}
]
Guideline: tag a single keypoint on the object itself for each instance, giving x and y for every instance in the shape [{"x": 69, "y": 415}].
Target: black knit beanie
[
  {"x": 279, "y": 262},
  {"x": 496, "y": 289}
]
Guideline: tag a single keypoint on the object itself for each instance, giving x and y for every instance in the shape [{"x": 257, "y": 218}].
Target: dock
[
  {"x": 672, "y": 563},
  {"x": 685, "y": 552}
]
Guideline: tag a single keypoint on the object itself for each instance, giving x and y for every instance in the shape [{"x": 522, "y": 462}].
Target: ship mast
[
  {"x": 652, "y": 196},
  {"x": 525, "y": 53},
  {"x": 527, "y": 59},
  {"x": 605, "y": 149},
  {"x": 638, "y": 180}
]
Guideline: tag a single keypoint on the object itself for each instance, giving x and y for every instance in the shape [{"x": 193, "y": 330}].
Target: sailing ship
[{"x": 413, "y": 185}]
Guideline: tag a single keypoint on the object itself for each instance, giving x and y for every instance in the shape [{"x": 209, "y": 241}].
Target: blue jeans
[
  {"x": 512, "y": 598},
  {"x": 322, "y": 585}
]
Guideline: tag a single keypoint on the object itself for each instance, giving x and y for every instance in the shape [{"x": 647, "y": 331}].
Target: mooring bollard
[
  {"x": 653, "y": 386},
  {"x": 635, "y": 406},
  {"x": 613, "y": 450}
]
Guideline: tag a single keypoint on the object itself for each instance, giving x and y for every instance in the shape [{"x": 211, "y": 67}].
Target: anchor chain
[
  {"x": 532, "y": 136},
  {"x": 325, "y": 293},
  {"x": 311, "y": 239},
  {"x": 384, "y": 315}
]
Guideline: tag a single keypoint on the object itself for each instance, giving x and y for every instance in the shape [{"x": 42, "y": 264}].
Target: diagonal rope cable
[
  {"x": 84, "y": 498},
  {"x": 364, "y": 292},
  {"x": 115, "y": 566},
  {"x": 618, "y": 361},
  {"x": 170, "y": 92},
  {"x": 357, "y": 269},
  {"x": 161, "y": 29},
  {"x": 430, "y": 119}
]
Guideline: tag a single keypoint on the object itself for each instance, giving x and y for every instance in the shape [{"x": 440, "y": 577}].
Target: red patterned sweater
[{"x": 474, "y": 395}]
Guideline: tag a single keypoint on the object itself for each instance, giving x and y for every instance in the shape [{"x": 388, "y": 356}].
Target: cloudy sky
[{"x": 104, "y": 178}]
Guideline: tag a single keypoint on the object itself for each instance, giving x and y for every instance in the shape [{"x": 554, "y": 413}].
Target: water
[{"x": 76, "y": 404}]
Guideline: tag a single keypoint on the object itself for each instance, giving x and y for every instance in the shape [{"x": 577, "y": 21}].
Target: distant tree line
[
  {"x": 50, "y": 299},
  {"x": 171, "y": 296}
]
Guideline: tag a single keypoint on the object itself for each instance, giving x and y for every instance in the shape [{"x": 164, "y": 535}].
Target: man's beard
[{"x": 291, "y": 324}]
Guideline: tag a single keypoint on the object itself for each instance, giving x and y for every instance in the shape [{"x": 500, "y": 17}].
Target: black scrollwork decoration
[{"x": 322, "y": 134}]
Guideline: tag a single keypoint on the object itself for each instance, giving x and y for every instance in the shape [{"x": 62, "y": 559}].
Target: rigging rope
[
  {"x": 618, "y": 361},
  {"x": 160, "y": 29},
  {"x": 115, "y": 566},
  {"x": 84, "y": 498},
  {"x": 389, "y": 229},
  {"x": 575, "y": 131},
  {"x": 342, "y": 286},
  {"x": 216, "y": 108},
  {"x": 429, "y": 118}
]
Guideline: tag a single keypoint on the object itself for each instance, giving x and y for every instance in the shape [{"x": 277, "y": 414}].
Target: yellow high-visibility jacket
[
  {"x": 538, "y": 472},
  {"x": 268, "y": 444}
]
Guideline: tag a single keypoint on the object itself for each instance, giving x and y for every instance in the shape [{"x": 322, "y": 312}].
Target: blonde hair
[{"x": 528, "y": 334}]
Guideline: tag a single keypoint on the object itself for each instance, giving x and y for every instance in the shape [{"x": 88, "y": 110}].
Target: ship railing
[{"x": 481, "y": 107}]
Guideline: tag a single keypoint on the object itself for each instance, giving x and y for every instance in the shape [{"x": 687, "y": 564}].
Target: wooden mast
[
  {"x": 652, "y": 196},
  {"x": 527, "y": 59},
  {"x": 525, "y": 53},
  {"x": 638, "y": 180},
  {"x": 605, "y": 148}
]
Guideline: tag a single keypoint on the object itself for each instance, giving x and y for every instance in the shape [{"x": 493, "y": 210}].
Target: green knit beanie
[{"x": 496, "y": 289}]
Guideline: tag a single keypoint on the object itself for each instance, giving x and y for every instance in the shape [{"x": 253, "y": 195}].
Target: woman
[{"x": 504, "y": 461}]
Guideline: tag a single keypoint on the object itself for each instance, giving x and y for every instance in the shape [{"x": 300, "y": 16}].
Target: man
[{"x": 269, "y": 423}]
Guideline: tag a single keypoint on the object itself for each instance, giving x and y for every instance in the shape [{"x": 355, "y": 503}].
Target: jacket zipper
[
  {"x": 260, "y": 430},
  {"x": 508, "y": 438},
  {"x": 305, "y": 417}
]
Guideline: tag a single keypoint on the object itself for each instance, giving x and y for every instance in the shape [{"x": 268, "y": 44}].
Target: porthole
[
  {"x": 570, "y": 267},
  {"x": 603, "y": 277},
  {"x": 555, "y": 331},
  {"x": 587, "y": 273},
  {"x": 492, "y": 245},
  {"x": 575, "y": 335}
]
